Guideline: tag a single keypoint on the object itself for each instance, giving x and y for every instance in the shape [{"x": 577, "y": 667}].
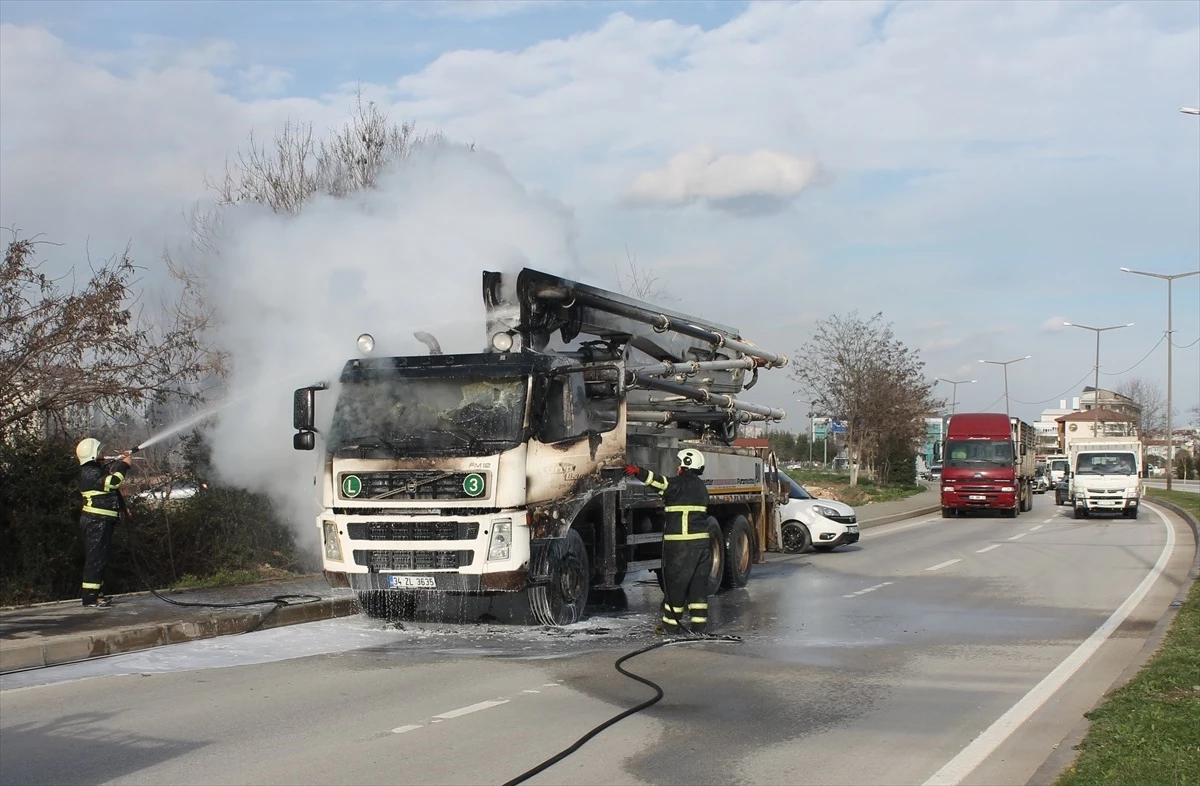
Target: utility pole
[
  {"x": 1005, "y": 364},
  {"x": 1170, "y": 341},
  {"x": 811, "y": 431},
  {"x": 1096, "y": 384}
]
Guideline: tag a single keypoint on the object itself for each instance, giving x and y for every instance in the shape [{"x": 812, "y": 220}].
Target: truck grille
[
  {"x": 413, "y": 530},
  {"x": 379, "y": 559},
  {"x": 414, "y": 484}
]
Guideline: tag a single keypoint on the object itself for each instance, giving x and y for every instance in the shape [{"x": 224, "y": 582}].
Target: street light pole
[
  {"x": 811, "y": 430},
  {"x": 1005, "y": 364},
  {"x": 954, "y": 390},
  {"x": 1170, "y": 340},
  {"x": 1096, "y": 384},
  {"x": 1189, "y": 110}
]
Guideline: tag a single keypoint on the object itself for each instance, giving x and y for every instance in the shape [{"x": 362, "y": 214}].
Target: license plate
[
  {"x": 979, "y": 497},
  {"x": 410, "y": 582}
]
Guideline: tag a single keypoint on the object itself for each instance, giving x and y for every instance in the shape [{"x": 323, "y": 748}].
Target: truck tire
[
  {"x": 1130, "y": 513},
  {"x": 563, "y": 599},
  {"x": 794, "y": 538},
  {"x": 388, "y": 604},
  {"x": 1011, "y": 513},
  {"x": 949, "y": 513},
  {"x": 739, "y": 553},
  {"x": 1080, "y": 513},
  {"x": 716, "y": 542}
]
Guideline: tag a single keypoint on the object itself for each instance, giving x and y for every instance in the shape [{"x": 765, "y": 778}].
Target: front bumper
[
  {"x": 979, "y": 499},
  {"x": 1106, "y": 504}
]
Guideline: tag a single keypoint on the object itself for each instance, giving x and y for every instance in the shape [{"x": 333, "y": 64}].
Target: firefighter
[
  {"x": 102, "y": 506},
  {"x": 687, "y": 556}
]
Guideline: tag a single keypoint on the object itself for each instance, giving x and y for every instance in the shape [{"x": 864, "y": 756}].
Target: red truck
[{"x": 988, "y": 463}]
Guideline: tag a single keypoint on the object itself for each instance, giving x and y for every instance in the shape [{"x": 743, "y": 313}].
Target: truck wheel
[
  {"x": 1130, "y": 513},
  {"x": 739, "y": 553},
  {"x": 794, "y": 537},
  {"x": 562, "y": 600},
  {"x": 716, "y": 543},
  {"x": 1011, "y": 513},
  {"x": 1080, "y": 513},
  {"x": 948, "y": 513}
]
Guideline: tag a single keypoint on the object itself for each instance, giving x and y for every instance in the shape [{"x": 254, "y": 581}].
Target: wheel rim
[
  {"x": 718, "y": 561},
  {"x": 793, "y": 538}
]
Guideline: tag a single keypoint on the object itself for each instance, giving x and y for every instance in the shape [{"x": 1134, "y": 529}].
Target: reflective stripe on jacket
[
  {"x": 685, "y": 499},
  {"x": 99, "y": 488}
]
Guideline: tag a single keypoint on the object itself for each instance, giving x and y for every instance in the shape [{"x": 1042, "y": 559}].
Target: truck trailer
[
  {"x": 501, "y": 471},
  {"x": 989, "y": 461},
  {"x": 1106, "y": 476}
]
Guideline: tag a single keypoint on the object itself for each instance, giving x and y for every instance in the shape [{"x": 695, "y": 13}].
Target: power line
[
  {"x": 1184, "y": 346},
  {"x": 1135, "y": 365},
  {"x": 1059, "y": 396}
]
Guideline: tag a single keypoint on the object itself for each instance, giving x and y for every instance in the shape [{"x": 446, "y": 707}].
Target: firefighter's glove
[{"x": 632, "y": 470}]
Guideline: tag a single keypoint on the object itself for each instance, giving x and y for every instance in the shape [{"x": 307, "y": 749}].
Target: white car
[{"x": 807, "y": 521}]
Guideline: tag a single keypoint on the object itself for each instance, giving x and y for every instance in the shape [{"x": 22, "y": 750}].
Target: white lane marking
[
  {"x": 868, "y": 589},
  {"x": 1049, "y": 521},
  {"x": 530, "y": 691},
  {"x": 483, "y": 705},
  {"x": 941, "y": 565},
  {"x": 988, "y": 548},
  {"x": 970, "y": 757},
  {"x": 1018, "y": 537},
  {"x": 550, "y": 684},
  {"x": 410, "y": 727},
  {"x": 1035, "y": 529},
  {"x": 888, "y": 529}
]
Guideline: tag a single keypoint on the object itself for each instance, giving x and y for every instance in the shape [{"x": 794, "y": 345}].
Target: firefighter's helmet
[
  {"x": 87, "y": 450},
  {"x": 690, "y": 458}
]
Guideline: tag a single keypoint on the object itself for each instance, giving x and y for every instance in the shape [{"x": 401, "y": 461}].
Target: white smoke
[{"x": 294, "y": 292}]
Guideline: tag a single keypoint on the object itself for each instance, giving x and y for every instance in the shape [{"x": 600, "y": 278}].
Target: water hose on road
[{"x": 658, "y": 694}]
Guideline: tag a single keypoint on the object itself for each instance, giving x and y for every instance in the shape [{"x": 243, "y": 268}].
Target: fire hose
[
  {"x": 658, "y": 694},
  {"x": 279, "y": 600}
]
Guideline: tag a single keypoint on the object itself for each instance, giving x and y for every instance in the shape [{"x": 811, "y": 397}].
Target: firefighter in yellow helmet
[
  {"x": 100, "y": 486},
  {"x": 687, "y": 555}
]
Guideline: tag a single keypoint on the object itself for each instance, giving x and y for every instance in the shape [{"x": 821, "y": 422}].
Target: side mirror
[
  {"x": 304, "y": 440},
  {"x": 304, "y": 409}
]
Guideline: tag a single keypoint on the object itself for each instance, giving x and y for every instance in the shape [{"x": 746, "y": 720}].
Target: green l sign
[{"x": 351, "y": 486}]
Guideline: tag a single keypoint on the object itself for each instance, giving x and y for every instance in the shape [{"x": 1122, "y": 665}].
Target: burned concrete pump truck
[{"x": 501, "y": 471}]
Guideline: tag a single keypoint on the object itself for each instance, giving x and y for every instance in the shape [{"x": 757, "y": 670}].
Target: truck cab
[{"x": 1106, "y": 477}]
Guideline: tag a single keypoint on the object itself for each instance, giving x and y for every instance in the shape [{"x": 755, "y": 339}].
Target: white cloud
[
  {"x": 761, "y": 181},
  {"x": 1052, "y": 325},
  {"x": 479, "y": 10}
]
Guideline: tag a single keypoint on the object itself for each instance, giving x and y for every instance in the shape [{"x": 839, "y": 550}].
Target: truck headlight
[
  {"x": 947, "y": 488},
  {"x": 1008, "y": 489},
  {"x": 501, "y": 541},
  {"x": 333, "y": 547}
]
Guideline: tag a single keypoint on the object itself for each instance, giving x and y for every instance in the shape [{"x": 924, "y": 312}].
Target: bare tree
[
  {"x": 858, "y": 371},
  {"x": 640, "y": 283},
  {"x": 1150, "y": 398},
  {"x": 295, "y": 167},
  {"x": 68, "y": 347}
]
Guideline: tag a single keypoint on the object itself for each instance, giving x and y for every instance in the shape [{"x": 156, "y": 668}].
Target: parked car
[
  {"x": 805, "y": 520},
  {"x": 1061, "y": 489}
]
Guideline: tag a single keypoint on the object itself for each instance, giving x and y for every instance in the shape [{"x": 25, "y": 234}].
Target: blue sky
[{"x": 976, "y": 171}]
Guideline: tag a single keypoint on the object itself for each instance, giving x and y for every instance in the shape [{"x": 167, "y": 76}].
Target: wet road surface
[{"x": 875, "y": 664}]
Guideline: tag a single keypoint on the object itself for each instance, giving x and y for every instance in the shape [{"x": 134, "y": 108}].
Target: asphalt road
[{"x": 876, "y": 664}]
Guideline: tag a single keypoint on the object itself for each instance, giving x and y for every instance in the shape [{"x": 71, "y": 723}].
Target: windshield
[
  {"x": 978, "y": 453},
  {"x": 1059, "y": 465},
  {"x": 1106, "y": 464},
  {"x": 795, "y": 490},
  {"x": 422, "y": 416}
]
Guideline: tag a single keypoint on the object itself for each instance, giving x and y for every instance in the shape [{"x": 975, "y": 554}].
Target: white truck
[
  {"x": 501, "y": 471},
  {"x": 1057, "y": 467},
  {"x": 1106, "y": 475}
]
